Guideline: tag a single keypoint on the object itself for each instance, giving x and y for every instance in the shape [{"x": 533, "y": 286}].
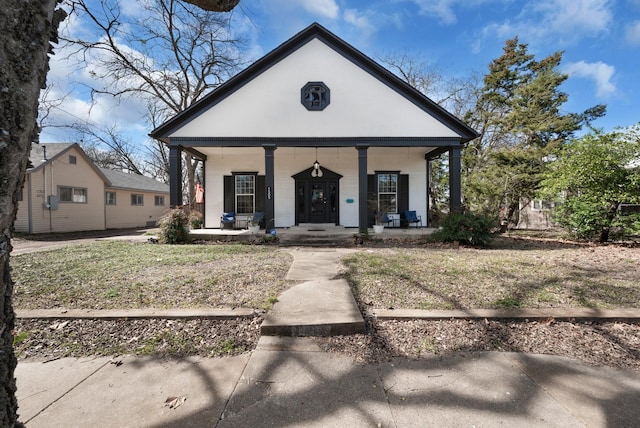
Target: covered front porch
[{"x": 284, "y": 183}]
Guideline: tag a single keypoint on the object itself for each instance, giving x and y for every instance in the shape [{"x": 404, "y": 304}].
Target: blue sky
[{"x": 600, "y": 40}]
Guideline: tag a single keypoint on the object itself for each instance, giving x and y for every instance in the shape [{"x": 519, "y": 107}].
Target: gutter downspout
[{"x": 29, "y": 205}]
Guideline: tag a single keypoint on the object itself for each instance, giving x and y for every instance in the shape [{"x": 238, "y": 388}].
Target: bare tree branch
[{"x": 168, "y": 53}]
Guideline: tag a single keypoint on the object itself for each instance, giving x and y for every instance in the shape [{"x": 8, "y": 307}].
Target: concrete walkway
[
  {"x": 290, "y": 381},
  {"x": 322, "y": 305}
]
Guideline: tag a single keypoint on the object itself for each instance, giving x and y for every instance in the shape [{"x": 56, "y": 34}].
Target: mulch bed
[{"x": 609, "y": 344}]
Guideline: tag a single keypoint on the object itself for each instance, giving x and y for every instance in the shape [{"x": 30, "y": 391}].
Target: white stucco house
[
  {"x": 64, "y": 191},
  {"x": 312, "y": 133}
]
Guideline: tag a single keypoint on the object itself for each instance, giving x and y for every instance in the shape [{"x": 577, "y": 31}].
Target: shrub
[
  {"x": 195, "y": 220},
  {"x": 584, "y": 217},
  {"x": 626, "y": 225},
  {"x": 466, "y": 228},
  {"x": 173, "y": 227}
]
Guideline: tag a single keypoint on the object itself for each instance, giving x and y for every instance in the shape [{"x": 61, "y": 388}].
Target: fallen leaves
[
  {"x": 596, "y": 343},
  {"x": 59, "y": 325},
  {"x": 85, "y": 337},
  {"x": 174, "y": 402}
]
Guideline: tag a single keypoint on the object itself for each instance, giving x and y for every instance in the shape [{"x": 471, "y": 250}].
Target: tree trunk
[
  {"x": 27, "y": 29},
  {"x": 611, "y": 215}
]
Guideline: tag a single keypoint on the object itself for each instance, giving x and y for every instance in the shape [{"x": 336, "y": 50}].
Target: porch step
[
  {"x": 332, "y": 241},
  {"x": 318, "y": 235}
]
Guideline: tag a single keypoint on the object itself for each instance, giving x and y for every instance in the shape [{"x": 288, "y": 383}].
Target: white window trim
[
  {"x": 106, "y": 198},
  {"x": 236, "y": 194},
  {"x": 141, "y": 200},
  {"x": 378, "y": 175},
  {"x": 73, "y": 189}
]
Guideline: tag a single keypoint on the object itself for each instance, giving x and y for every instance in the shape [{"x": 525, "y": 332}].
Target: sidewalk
[{"x": 290, "y": 381}]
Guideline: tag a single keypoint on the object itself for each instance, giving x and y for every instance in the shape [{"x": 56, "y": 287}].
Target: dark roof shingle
[{"x": 123, "y": 180}]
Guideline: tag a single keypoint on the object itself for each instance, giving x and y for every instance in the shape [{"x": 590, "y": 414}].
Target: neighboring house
[
  {"x": 133, "y": 200},
  {"x": 64, "y": 191},
  {"x": 536, "y": 215},
  {"x": 311, "y": 133}
]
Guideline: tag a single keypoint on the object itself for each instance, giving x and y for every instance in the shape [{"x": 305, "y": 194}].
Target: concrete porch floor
[{"x": 308, "y": 233}]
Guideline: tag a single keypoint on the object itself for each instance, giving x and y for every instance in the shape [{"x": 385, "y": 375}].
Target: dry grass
[
  {"x": 111, "y": 275},
  {"x": 513, "y": 273}
]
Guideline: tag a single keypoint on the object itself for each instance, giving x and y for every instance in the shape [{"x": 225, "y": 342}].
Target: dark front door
[
  {"x": 317, "y": 198},
  {"x": 321, "y": 201}
]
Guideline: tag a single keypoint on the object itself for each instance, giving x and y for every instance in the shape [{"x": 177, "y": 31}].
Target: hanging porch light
[{"x": 316, "y": 171}]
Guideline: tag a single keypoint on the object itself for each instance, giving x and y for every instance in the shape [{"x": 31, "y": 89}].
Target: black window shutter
[
  {"x": 229, "y": 193},
  {"x": 403, "y": 193},
  {"x": 260, "y": 192}
]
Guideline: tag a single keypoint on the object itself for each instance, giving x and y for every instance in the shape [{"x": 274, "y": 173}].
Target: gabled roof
[
  {"x": 123, "y": 180},
  {"x": 315, "y": 31},
  {"x": 111, "y": 178},
  {"x": 41, "y": 153},
  {"x": 53, "y": 151}
]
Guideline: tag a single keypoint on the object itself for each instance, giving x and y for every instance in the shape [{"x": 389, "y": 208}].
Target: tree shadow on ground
[{"x": 293, "y": 388}]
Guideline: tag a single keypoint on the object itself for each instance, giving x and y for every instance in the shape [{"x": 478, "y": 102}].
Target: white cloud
[
  {"x": 133, "y": 8},
  {"x": 444, "y": 11},
  {"x": 599, "y": 72},
  {"x": 564, "y": 22},
  {"x": 574, "y": 18},
  {"x": 360, "y": 21},
  {"x": 325, "y": 8},
  {"x": 441, "y": 9},
  {"x": 632, "y": 33}
]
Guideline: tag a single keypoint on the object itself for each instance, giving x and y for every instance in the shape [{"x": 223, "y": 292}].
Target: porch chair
[
  {"x": 386, "y": 220},
  {"x": 228, "y": 220},
  {"x": 411, "y": 217}
]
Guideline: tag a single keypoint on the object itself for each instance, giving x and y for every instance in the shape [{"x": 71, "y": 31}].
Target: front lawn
[
  {"x": 513, "y": 273},
  {"x": 121, "y": 275}
]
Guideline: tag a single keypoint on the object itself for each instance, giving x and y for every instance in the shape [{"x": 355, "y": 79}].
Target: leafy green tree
[
  {"x": 597, "y": 173},
  {"x": 520, "y": 120}
]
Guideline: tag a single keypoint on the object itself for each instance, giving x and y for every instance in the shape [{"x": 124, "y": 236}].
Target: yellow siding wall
[
  {"x": 22, "y": 218},
  {"x": 124, "y": 215},
  {"x": 69, "y": 216}
]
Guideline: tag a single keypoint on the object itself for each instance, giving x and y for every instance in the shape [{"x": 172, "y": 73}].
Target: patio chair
[
  {"x": 387, "y": 221},
  {"x": 411, "y": 217},
  {"x": 228, "y": 220}
]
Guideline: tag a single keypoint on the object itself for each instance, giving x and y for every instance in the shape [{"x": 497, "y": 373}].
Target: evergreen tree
[{"x": 520, "y": 120}]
